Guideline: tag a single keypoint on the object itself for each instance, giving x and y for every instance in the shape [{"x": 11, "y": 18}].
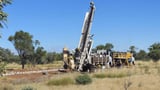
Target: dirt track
[
  {"x": 23, "y": 72},
  {"x": 28, "y": 76}
]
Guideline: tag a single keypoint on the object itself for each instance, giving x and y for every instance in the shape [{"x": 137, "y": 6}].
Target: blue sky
[{"x": 58, "y": 23}]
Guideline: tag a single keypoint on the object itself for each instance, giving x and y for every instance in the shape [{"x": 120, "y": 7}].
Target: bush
[
  {"x": 2, "y": 68},
  {"x": 100, "y": 75},
  {"x": 83, "y": 79},
  {"x": 28, "y": 88},
  {"x": 63, "y": 81}
]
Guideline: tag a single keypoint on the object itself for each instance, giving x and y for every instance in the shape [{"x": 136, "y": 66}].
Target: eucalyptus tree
[
  {"x": 3, "y": 15},
  {"x": 108, "y": 46},
  {"x": 23, "y": 43},
  {"x": 132, "y": 49},
  {"x": 142, "y": 55},
  {"x": 28, "y": 49},
  {"x": 100, "y": 47},
  {"x": 154, "y": 51}
]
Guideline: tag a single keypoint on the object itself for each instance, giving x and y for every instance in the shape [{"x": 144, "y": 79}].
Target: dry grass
[
  {"x": 6, "y": 87},
  {"x": 143, "y": 76},
  {"x": 15, "y": 66}
]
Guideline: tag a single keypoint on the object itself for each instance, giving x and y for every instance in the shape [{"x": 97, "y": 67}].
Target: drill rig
[{"x": 82, "y": 55}]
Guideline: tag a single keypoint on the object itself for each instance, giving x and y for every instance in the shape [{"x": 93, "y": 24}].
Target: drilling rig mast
[
  {"x": 85, "y": 44},
  {"x": 82, "y": 55}
]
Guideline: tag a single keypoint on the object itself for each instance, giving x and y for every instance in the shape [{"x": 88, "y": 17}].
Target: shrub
[
  {"x": 2, "y": 68},
  {"x": 100, "y": 75},
  {"x": 28, "y": 88},
  {"x": 83, "y": 79},
  {"x": 63, "y": 81}
]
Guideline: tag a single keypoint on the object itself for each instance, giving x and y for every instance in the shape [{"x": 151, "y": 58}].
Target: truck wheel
[{"x": 65, "y": 66}]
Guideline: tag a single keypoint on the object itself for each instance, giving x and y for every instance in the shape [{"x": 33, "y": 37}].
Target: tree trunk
[
  {"x": 23, "y": 63},
  {"x": 22, "y": 66}
]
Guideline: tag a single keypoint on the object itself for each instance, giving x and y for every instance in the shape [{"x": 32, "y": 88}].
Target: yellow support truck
[{"x": 121, "y": 58}]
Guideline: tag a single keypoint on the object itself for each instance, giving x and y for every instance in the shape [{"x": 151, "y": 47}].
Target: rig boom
[{"x": 85, "y": 44}]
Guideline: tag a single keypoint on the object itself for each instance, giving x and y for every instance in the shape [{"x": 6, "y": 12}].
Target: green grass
[
  {"x": 101, "y": 76},
  {"x": 62, "y": 81}
]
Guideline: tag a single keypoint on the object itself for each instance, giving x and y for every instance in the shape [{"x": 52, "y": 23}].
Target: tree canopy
[
  {"x": 22, "y": 42},
  {"x": 132, "y": 49},
  {"x": 37, "y": 56},
  {"x": 100, "y": 47},
  {"x": 3, "y": 15},
  {"x": 141, "y": 55},
  {"x": 154, "y": 51},
  {"x": 53, "y": 56},
  {"x": 5, "y": 55},
  {"x": 107, "y": 46}
]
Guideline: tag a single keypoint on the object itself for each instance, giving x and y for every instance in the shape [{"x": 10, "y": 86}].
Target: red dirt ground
[{"x": 32, "y": 77}]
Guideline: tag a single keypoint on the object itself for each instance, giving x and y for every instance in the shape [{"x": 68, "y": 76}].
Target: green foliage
[
  {"x": 102, "y": 75},
  {"x": 23, "y": 43},
  {"x": 142, "y": 55},
  {"x": 53, "y": 56},
  {"x": 37, "y": 56},
  {"x": 2, "y": 68},
  {"x": 154, "y": 51},
  {"x": 155, "y": 55},
  {"x": 154, "y": 46},
  {"x": 28, "y": 50},
  {"x": 100, "y": 47},
  {"x": 62, "y": 81},
  {"x": 38, "y": 53},
  {"x": 132, "y": 49},
  {"x": 49, "y": 57},
  {"x": 107, "y": 46},
  {"x": 7, "y": 56},
  {"x": 15, "y": 59},
  {"x": 83, "y": 79},
  {"x": 3, "y": 15},
  {"x": 57, "y": 56},
  {"x": 28, "y": 88}
]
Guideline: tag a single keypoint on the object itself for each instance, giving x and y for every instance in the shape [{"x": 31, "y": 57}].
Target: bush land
[{"x": 132, "y": 78}]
